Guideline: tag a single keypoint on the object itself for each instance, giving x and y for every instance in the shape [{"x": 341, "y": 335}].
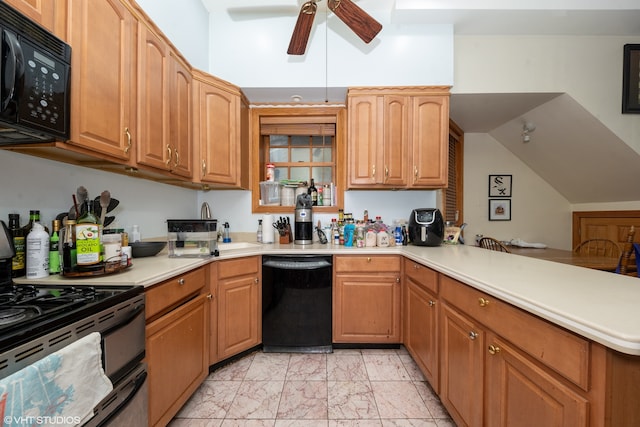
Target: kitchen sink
[{"x": 237, "y": 245}]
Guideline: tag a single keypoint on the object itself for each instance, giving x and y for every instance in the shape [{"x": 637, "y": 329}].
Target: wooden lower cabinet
[
  {"x": 461, "y": 367},
  {"x": 239, "y": 302},
  {"x": 177, "y": 358},
  {"x": 421, "y": 329},
  {"x": 366, "y": 299},
  {"x": 177, "y": 342}
]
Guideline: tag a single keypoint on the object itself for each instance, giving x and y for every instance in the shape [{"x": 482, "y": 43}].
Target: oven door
[
  {"x": 123, "y": 345},
  {"x": 126, "y": 405}
]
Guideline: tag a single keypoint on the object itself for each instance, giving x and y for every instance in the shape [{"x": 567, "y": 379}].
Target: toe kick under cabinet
[{"x": 177, "y": 342}]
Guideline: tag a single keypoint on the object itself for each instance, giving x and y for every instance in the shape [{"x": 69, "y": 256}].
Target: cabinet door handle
[
  {"x": 415, "y": 172},
  {"x": 177, "y": 157},
  {"x": 209, "y": 297},
  {"x": 397, "y": 280},
  {"x": 483, "y": 302},
  {"x": 494, "y": 349},
  {"x": 181, "y": 281},
  {"x": 368, "y": 259},
  {"x": 204, "y": 168},
  {"x": 473, "y": 335},
  {"x": 373, "y": 171},
  {"x": 168, "y": 162},
  {"x": 431, "y": 303},
  {"x": 128, "y": 134},
  {"x": 386, "y": 172},
  {"x": 256, "y": 280}
]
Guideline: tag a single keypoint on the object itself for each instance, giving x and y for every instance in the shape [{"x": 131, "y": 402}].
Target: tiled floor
[{"x": 346, "y": 388}]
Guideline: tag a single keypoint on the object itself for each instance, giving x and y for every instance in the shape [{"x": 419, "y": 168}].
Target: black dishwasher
[{"x": 296, "y": 303}]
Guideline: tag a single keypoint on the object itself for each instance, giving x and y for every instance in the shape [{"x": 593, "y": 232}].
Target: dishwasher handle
[{"x": 298, "y": 264}]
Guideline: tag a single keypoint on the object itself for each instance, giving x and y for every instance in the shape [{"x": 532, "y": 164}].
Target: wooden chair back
[
  {"x": 598, "y": 247},
  {"x": 493, "y": 245},
  {"x": 627, "y": 259}
]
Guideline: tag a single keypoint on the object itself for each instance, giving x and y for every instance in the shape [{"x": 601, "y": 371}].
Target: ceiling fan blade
[
  {"x": 300, "y": 36},
  {"x": 357, "y": 19}
]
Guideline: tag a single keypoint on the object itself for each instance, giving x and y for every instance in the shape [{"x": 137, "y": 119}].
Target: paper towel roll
[{"x": 267, "y": 229}]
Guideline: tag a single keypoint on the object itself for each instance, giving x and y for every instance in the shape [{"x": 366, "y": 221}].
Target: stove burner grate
[{"x": 11, "y": 315}]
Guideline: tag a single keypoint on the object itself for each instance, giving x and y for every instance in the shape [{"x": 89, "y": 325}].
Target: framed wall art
[
  {"x": 500, "y": 185},
  {"x": 499, "y": 210},
  {"x": 631, "y": 79}
]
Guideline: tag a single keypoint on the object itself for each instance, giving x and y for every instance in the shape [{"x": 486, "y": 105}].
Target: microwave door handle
[{"x": 13, "y": 67}]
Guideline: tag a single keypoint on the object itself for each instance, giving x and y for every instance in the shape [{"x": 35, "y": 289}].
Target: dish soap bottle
[{"x": 226, "y": 238}]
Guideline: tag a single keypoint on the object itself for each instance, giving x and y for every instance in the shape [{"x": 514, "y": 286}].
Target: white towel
[
  {"x": 59, "y": 390},
  {"x": 521, "y": 243}
]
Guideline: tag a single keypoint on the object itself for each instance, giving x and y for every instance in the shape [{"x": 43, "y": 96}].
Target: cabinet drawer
[
  {"x": 368, "y": 264},
  {"x": 561, "y": 350},
  {"x": 421, "y": 275},
  {"x": 166, "y": 295},
  {"x": 238, "y": 267}
]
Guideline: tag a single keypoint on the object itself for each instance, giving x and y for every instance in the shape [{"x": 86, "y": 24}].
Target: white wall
[
  {"x": 539, "y": 214},
  {"x": 33, "y": 183},
  {"x": 186, "y": 24}
]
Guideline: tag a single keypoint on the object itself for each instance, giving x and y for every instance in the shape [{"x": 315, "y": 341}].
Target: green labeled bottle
[
  {"x": 88, "y": 240},
  {"x": 18, "y": 262},
  {"x": 54, "y": 248}
]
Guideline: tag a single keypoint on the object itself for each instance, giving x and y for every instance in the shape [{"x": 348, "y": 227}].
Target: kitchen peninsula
[{"x": 571, "y": 332}]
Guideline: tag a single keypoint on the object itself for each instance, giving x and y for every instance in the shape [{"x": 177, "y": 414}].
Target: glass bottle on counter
[
  {"x": 18, "y": 262},
  {"x": 313, "y": 191},
  {"x": 88, "y": 240},
  {"x": 69, "y": 251},
  {"x": 54, "y": 248}
]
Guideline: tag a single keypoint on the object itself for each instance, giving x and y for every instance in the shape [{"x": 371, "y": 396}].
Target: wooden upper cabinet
[
  {"x": 180, "y": 123},
  {"x": 153, "y": 96},
  {"x": 40, "y": 11},
  {"x": 101, "y": 34},
  {"x": 398, "y": 137},
  {"x": 429, "y": 136},
  {"x": 220, "y": 132}
]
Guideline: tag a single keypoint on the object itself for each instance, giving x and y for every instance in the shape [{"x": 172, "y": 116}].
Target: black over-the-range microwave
[{"x": 35, "y": 78}]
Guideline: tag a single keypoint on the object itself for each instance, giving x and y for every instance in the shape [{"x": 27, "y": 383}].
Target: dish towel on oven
[{"x": 59, "y": 390}]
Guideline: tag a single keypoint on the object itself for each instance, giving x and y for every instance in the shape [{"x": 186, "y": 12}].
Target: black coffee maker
[{"x": 304, "y": 220}]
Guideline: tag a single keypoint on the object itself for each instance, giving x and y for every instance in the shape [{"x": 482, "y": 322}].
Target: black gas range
[{"x": 29, "y": 311}]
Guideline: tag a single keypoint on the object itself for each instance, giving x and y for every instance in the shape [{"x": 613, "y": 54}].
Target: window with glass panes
[{"x": 300, "y": 151}]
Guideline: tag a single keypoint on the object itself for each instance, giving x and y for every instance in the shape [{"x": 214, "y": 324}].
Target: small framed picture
[
  {"x": 499, "y": 210},
  {"x": 631, "y": 79},
  {"x": 500, "y": 185}
]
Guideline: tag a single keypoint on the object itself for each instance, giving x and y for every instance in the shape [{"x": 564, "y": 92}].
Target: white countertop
[{"x": 597, "y": 305}]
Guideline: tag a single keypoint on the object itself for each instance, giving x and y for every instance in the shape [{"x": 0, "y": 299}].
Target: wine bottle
[
  {"x": 88, "y": 239},
  {"x": 69, "y": 251},
  {"x": 313, "y": 191},
  {"x": 18, "y": 262},
  {"x": 54, "y": 248}
]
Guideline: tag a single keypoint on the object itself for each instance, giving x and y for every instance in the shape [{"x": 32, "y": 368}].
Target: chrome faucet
[{"x": 205, "y": 211}]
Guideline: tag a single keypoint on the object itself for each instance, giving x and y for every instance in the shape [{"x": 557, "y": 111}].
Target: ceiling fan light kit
[{"x": 359, "y": 21}]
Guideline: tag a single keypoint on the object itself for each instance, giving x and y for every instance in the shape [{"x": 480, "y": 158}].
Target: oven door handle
[{"x": 130, "y": 318}]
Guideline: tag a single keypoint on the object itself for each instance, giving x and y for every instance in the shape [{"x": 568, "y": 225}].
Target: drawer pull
[
  {"x": 368, "y": 259},
  {"x": 473, "y": 335},
  {"x": 431, "y": 303},
  {"x": 397, "y": 280},
  {"x": 416, "y": 266},
  {"x": 494, "y": 349},
  {"x": 483, "y": 302},
  {"x": 210, "y": 297},
  {"x": 181, "y": 281},
  {"x": 256, "y": 280}
]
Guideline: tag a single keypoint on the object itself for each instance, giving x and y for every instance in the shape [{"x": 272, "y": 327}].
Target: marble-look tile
[
  {"x": 355, "y": 423},
  {"x": 303, "y": 400},
  {"x": 399, "y": 399},
  {"x": 346, "y": 367},
  {"x": 385, "y": 367},
  {"x": 248, "y": 423},
  {"x": 412, "y": 368},
  {"x": 234, "y": 371},
  {"x": 445, "y": 423},
  {"x": 351, "y": 400},
  {"x": 211, "y": 400},
  {"x": 256, "y": 400},
  {"x": 302, "y": 423},
  {"x": 307, "y": 367},
  {"x": 405, "y": 422},
  {"x": 431, "y": 400},
  {"x": 268, "y": 367},
  {"x": 194, "y": 422}
]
